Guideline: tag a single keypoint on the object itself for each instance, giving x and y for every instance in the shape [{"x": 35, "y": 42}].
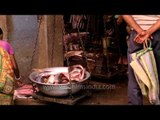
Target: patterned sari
[{"x": 7, "y": 82}]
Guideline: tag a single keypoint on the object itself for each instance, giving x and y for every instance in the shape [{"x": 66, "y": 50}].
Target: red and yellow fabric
[{"x": 7, "y": 82}]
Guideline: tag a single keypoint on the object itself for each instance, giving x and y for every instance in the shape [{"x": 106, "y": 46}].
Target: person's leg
[
  {"x": 156, "y": 50},
  {"x": 134, "y": 93},
  {"x": 124, "y": 52}
]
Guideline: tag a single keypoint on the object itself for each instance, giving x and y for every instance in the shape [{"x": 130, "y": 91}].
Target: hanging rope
[
  {"x": 52, "y": 52},
  {"x": 36, "y": 41}
]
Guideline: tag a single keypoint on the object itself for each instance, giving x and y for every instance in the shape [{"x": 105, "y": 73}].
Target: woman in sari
[{"x": 9, "y": 72}]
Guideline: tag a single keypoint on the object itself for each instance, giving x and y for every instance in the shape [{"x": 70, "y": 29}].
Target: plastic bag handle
[{"x": 145, "y": 44}]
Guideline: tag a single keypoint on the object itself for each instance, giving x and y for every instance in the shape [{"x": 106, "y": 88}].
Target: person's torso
[
  {"x": 146, "y": 21},
  {"x": 5, "y": 45}
]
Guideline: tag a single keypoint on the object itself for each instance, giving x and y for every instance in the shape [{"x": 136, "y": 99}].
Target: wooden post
[
  {"x": 50, "y": 41},
  {"x": 56, "y": 40},
  {"x": 42, "y": 51}
]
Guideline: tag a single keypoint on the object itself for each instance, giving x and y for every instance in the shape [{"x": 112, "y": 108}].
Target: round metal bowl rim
[{"x": 58, "y": 84}]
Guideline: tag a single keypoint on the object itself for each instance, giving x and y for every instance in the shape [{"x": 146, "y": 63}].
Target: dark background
[
  {"x": 79, "y": 6},
  {"x": 30, "y": 7}
]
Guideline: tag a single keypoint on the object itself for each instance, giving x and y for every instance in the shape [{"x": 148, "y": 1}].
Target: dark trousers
[{"x": 134, "y": 93}]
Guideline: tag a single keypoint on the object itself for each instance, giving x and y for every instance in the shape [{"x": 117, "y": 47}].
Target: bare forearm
[
  {"x": 16, "y": 72},
  {"x": 154, "y": 28},
  {"x": 131, "y": 22},
  {"x": 15, "y": 66}
]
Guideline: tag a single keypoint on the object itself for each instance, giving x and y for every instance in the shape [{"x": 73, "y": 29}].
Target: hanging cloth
[{"x": 78, "y": 21}]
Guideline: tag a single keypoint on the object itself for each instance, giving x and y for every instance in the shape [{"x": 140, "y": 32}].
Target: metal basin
[{"x": 59, "y": 89}]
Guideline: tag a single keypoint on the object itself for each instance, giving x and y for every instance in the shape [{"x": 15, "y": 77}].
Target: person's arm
[
  {"x": 148, "y": 33},
  {"x": 154, "y": 27},
  {"x": 119, "y": 20},
  {"x": 15, "y": 66},
  {"x": 132, "y": 23},
  {"x": 141, "y": 34}
]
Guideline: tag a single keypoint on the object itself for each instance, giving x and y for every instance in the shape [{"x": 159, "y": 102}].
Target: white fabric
[{"x": 146, "y": 21}]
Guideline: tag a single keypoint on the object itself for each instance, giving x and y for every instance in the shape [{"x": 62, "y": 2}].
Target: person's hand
[
  {"x": 19, "y": 82},
  {"x": 141, "y": 37}
]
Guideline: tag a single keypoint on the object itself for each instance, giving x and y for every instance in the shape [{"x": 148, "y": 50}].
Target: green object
[
  {"x": 7, "y": 82},
  {"x": 116, "y": 16},
  {"x": 145, "y": 70}
]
